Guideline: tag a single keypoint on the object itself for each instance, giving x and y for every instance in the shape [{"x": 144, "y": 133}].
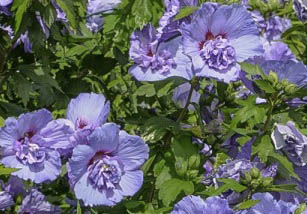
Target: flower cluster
[
  {"x": 104, "y": 162},
  {"x": 229, "y": 139},
  {"x": 212, "y": 42}
]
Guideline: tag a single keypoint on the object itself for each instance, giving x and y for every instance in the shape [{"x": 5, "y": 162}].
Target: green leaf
[
  {"x": 77, "y": 50},
  {"x": 133, "y": 204},
  {"x": 220, "y": 159},
  {"x": 185, "y": 153},
  {"x": 235, "y": 185},
  {"x": 7, "y": 171},
  {"x": 263, "y": 149},
  {"x": 23, "y": 88},
  {"x": 148, "y": 164},
  {"x": 229, "y": 184},
  {"x": 68, "y": 7},
  {"x": 285, "y": 166},
  {"x": 172, "y": 188},
  {"x": 265, "y": 86},
  {"x": 165, "y": 89},
  {"x": 162, "y": 176},
  {"x": 184, "y": 12},
  {"x": 21, "y": 6},
  {"x": 141, "y": 10},
  {"x": 157, "y": 127},
  {"x": 246, "y": 204},
  {"x": 147, "y": 90},
  {"x": 252, "y": 69}
]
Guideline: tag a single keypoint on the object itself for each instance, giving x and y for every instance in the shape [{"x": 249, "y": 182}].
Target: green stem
[
  {"x": 268, "y": 120},
  {"x": 183, "y": 112},
  {"x": 272, "y": 103}
]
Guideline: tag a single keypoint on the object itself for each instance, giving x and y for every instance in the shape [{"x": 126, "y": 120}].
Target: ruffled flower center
[
  {"x": 104, "y": 172},
  {"x": 27, "y": 151},
  {"x": 217, "y": 52},
  {"x": 162, "y": 61}
]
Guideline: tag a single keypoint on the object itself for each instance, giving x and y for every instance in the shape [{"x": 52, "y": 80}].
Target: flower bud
[
  {"x": 273, "y": 78},
  {"x": 267, "y": 181},
  {"x": 255, "y": 184},
  {"x": 255, "y": 173},
  {"x": 284, "y": 83},
  {"x": 248, "y": 177},
  {"x": 290, "y": 89}
]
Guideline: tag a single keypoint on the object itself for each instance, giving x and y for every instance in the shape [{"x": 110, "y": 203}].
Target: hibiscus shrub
[{"x": 142, "y": 106}]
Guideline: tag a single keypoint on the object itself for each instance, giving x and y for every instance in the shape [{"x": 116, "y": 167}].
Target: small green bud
[
  {"x": 255, "y": 184},
  {"x": 290, "y": 89},
  {"x": 279, "y": 86},
  {"x": 266, "y": 182},
  {"x": 273, "y": 78},
  {"x": 167, "y": 155},
  {"x": 244, "y": 181},
  {"x": 255, "y": 173},
  {"x": 248, "y": 177},
  {"x": 284, "y": 83}
]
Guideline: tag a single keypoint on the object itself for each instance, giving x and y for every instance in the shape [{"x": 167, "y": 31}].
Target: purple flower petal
[
  {"x": 107, "y": 168},
  {"x": 196, "y": 205},
  {"x": 49, "y": 170},
  {"x": 90, "y": 196},
  {"x": 56, "y": 134},
  {"x": 292, "y": 142},
  {"x": 131, "y": 182},
  {"x": 294, "y": 72},
  {"x": 82, "y": 154},
  {"x": 300, "y": 7},
  {"x": 218, "y": 37},
  {"x": 181, "y": 93},
  {"x": 88, "y": 109},
  {"x": 105, "y": 138},
  {"x": 167, "y": 60},
  {"x": 33, "y": 122},
  {"x": 132, "y": 150},
  {"x": 35, "y": 202},
  {"x": 6, "y": 200},
  {"x": 25, "y": 148}
]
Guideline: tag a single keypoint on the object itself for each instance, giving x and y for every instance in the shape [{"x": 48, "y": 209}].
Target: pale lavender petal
[
  {"x": 132, "y": 150},
  {"x": 189, "y": 204},
  {"x": 300, "y": 7},
  {"x": 6, "y": 200},
  {"x": 35, "y": 202},
  {"x": 82, "y": 154},
  {"x": 294, "y": 72},
  {"x": 49, "y": 170},
  {"x": 88, "y": 109},
  {"x": 105, "y": 138},
  {"x": 131, "y": 182},
  {"x": 34, "y": 121},
  {"x": 8, "y": 133},
  {"x": 247, "y": 46},
  {"x": 181, "y": 93},
  {"x": 225, "y": 76}
]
